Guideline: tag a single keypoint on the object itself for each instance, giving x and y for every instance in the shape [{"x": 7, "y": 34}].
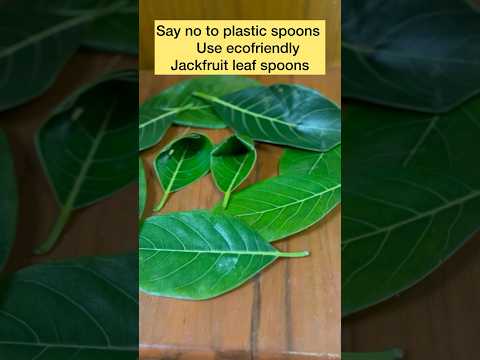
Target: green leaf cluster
[
  {"x": 411, "y": 186},
  {"x": 88, "y": 150},
  {"x": 201, "y": 254}
]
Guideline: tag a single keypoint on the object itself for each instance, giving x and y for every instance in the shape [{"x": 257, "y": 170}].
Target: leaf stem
[
  {"x": 293, "y": 254},
  {"x": 162, "y": 202},
  {"x": 63, "y": 217},
  {"x": 393, "y": 354},
  {"x": 226, "y": 199}
]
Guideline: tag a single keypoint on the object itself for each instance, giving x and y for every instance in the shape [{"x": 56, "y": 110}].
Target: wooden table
[{"x": 290, "y": 311}]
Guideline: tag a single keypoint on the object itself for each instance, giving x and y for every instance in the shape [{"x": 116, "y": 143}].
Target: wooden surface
[
  {"x": 106, "y": 228},
  {"x": 290, "y": 311},
  {"x": 151, "y": 10},
  {"x": 437, "y": 319}
]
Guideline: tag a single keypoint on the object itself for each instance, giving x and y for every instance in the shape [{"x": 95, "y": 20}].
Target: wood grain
[{"x": 290, "y": 311}]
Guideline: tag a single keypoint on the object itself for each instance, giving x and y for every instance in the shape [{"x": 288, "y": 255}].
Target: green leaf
[
  {"x": 8, "y": 201},
  {"x": 142, "y": 188},
  {"x": 33, "y": 41},
  {"x": 82, "y": 309},
  {"x": 183, "y": 161},
  {"x": 284, "y": 205},
  {"x": 199, "y": 255},
  {"x": 281, "y": 114},
  {"x": 88, "y": 146},
  {"x": 201, "y": 114},
  {"x": 115, "y": 33},
  {"x": 389, "y": 57},
  {"x": 231, "y": 162},
  {"x": 412, "y": 197},
  {"x": 153, "y": 124},
  {"x": 394, "y": 354},
  {"x": 326, "y": 163},
  {"x": 176, "y": 104}
]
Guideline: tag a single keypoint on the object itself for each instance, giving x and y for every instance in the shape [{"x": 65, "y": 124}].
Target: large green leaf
[
  {"x": 142, "y": 188},
  {"x": 177, "y": 104},
  {"x": 8, "y": 201},
  {"x": 284, "y": 205},
  {"x": 27, "y": 66},
  {"x": 199, "y": 255},
  {"x": 182, "y": 162},
  {"x": 79, "y": 309},
  {"x": 231, "y": 162},
  {"x": 281, "y": 114},
  {"x": 88, "y": 147},
  {"x": 326, "y": 163},
  {"x": 420, "y": 55},
  {"x": 411, "y": 196},
  {"x": 116, "y": 30}
]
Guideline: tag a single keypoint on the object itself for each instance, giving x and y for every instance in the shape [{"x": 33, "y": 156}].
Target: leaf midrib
[
  {"x": 275, "y": 254},
  {"x": 242, "y": 110},
  {"x": 237, "y": 174},
  {"x": 419, "y": 216},
  {"x": 170, "y": 111},
  {"x": 70, "y": 346},
  {"x": 402, "y": 55},
  {"x": 70, "y": 23},
  {"x": 177, "y": 170},
  {"x": 292, "y": 203}
]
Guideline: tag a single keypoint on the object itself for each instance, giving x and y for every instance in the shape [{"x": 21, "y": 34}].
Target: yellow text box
[{"x": 242, "y": 47}]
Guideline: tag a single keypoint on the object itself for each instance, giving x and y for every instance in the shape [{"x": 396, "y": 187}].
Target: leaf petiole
[
  {"x": 226, "y": 199},
  {"x": 56, "y": 231},
  {"x": 162, "y": 202},
  {"x": 293, "y": 254}
]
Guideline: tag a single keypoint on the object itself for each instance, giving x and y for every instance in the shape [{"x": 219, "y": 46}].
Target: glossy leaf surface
[
  {"x": 82, "y": 309},
  {"x": 412, "y": 196},
  {"x": 88, "y": 147},
  {"x": 177, "y": 104},
  {"x": 282, "y": 114},
  {"x": 142, "y": 188},
  {"x": 284, "y": 205},
  {"x": 199, "y": 255},
  {"x": 418, "y": 55},
  {"x": 8, "y": 200},
  {"x": 326, "y": 163},
  {"x": 182, "y": 162},
  {"x": 231, "y": 162}
]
